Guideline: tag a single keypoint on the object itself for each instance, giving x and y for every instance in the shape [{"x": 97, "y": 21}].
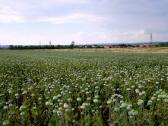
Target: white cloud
[
  {"x": 105, "y": 37},
  {"x": 16, "y": 38},
  {"x": 132, "y": 36},
  {"x": 74, "y": 18},
  {"x": 68, "y": 1},
  {"x": 19, "y": 11},
  {"x": 81, "y": 38},
  {"x": 8, "y": 15}
]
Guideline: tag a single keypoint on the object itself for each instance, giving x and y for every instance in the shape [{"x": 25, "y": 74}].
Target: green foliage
[
  {"x": 59, "y": 88},
  {"x": 163, "y": 44}
]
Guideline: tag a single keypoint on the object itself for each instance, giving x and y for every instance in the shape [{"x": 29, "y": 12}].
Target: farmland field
[{"x": 83, "y": 88}]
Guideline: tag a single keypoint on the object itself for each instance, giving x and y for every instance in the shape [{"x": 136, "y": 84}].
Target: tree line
[
  {"x": 72, "y": 46},
  {"x": 53, "y": 46}
]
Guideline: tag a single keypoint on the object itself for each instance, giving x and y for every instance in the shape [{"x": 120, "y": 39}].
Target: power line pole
[
  {"x": 151, "y": 37},
  {"x": 50, "y": 43}
]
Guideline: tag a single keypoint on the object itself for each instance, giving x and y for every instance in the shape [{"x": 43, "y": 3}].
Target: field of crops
[{"x": 72, "y": 88}]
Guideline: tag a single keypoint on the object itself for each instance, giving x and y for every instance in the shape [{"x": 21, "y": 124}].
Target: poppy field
[{"x": 75, "y": 88}]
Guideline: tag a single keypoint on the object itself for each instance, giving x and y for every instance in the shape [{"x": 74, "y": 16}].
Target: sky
[{"x": 32, "y": 22}]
